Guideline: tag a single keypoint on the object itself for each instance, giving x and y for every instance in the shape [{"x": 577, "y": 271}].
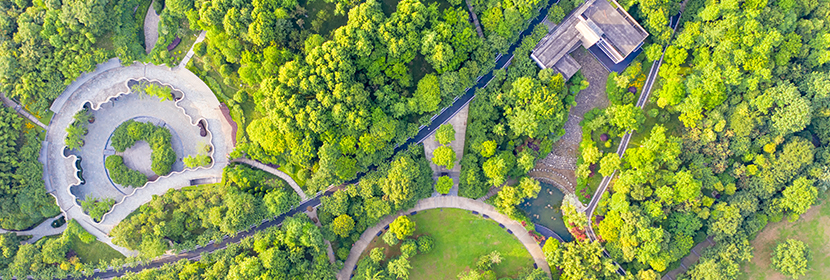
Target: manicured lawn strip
[
  {"x": 95, "y": 251},
  {"x": 293, "y": 175},
  {"x": 91, "y": 253},
  {"x": 813, "y": 228},
  {"x": 460, "y": 238}
]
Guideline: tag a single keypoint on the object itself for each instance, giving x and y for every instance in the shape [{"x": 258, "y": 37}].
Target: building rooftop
[{"x": 595, "y": 22}]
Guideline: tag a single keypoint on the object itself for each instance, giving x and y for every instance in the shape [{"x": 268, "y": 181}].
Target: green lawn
[
  {"x": 91, "y": 253},
  {"x": 95, "y": 251},
  {"x": 460, "y": 238},
  {"x": 813, "y": 228}
]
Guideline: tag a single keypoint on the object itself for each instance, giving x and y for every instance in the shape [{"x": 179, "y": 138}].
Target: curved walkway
[
  {"x": 447, "y": 202},
  {"x": 274, "y": 171},
  {"x": 43, "y": 229},
  {"x": 151, "y": 28},
  {"x": 97, "y": 88}
]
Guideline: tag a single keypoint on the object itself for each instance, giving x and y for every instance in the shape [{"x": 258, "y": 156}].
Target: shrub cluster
[
  {"x": 158, "y": 137},
  {"x": 123, "y": 175}
]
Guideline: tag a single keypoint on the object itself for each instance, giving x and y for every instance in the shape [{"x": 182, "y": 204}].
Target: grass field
[
  {"x": 91, "y": 253},
  {"x": 813, "y": 228},
  {"x": 95, "y": 251},
  {"x": 460, "y": 238}
]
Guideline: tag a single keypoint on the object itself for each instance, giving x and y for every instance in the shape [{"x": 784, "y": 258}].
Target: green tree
[
  {"x": 399, "y": 267},
  {"x": 799, "y": 197},
  {"x": 425, "y": 243},
  {"x": 444, "y": 184},
  {"x": 556, "y": 14},
  {"x": 343, "y": 225},
  {"x": 608, "y": 164},
  {"x": 444, "y": 156},
  {"x": 377, "y": 254},
  {"x": 488, "y": 148},
  {"x": 625, "y": 117},
  {"x": 791, "y": 258},
  {"x": 445, "y": 134},
  {"x": 402, "y": 227},
  {"x": 427, "y": 96}
]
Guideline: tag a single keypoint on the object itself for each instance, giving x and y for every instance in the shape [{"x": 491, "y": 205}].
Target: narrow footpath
[
  {"x": 274, "y": 171},
  {"x": 11, "y": 104}
]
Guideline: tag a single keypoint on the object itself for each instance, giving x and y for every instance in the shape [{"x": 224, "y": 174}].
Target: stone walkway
[
  {"x": 560, "y": 164},
  {"x": 274, "y": 171},
  {"x": 447, "y": 202},
  {"x": 42, "y": 230},
  {"x": 459, "y": 123},
  {"x": 189, "y": 54},
  {"x": 97, "y": 88},
  {"x": 11, "y": 104},
  {"x": 151, "y": 28}
]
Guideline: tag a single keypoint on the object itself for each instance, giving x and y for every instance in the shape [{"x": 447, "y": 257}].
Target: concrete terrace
[{"x": 109, "y": 81}]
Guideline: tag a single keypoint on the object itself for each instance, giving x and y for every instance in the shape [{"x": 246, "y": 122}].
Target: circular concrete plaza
[{"x": 194, "y": 119}]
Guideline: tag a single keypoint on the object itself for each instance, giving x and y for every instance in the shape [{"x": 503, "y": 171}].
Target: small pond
[{"x": 544, "y": 210}]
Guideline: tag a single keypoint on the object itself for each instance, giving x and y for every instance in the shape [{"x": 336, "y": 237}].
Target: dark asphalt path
[{"x": 502, "y": 61}]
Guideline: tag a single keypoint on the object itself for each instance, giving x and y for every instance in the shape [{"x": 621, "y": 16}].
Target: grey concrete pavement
[
  {"x": 274, "y": 171},
  {"x": 459, "y": 124},
  {"x": 447, "y": 202},
  {"x": 98, "y": 88},
  {"x": 42, "y": 230},
  {"x": 151, "y": 28}
]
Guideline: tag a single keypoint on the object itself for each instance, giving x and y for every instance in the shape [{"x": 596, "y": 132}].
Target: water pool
[{"x": 544, "y": 210}]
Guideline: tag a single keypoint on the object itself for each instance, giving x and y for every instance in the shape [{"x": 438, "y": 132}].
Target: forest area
[{"x": 737, "y": 139}]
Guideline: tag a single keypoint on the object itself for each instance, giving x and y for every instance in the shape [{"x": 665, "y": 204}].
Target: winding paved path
[
  {"x": 274, "y": 171},
  {"x": 97, "y": 88},
  {"x": 43, "y": 229},
  {"x": 447, "y": 202},
  {"x": 151, "y": 28}
]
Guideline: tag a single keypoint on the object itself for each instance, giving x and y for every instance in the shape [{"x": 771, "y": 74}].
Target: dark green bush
[{"x": 121, "y": 174}]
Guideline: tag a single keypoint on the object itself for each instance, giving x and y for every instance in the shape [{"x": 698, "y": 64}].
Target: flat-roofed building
[{"x": 595, "y": 22}]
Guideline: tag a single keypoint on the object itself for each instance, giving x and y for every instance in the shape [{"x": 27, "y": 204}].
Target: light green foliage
[
  {"x": 427, "y": 95},
  {"x": 22, "y": 194},
  {"x": 444, "y": 156},
  {"x": 445, "y": 134},
  {"x": 269, "y": 254},
  {"x": 608, "y": 164},
  {"x": 791, "y": 258},
  {"x": 798, "y": 197},
  {"x": 96, "y": 207},
  {"x": 653, "y": 52},
  {"x": 343, "y": 225},
  {"x": 198, "y": 160},
  {"x": 152, "y": 89},
  {"x": 625, "y": 117},
  {"x": 402, "y": 227},
  {"x": 556, "y": 14},
  {"x": 444, "y": 184},
  {"x": 488, "y": 148},
  {"x": 163, "y": 156},
  {"x": 377, "y": 254},
  {"x": 123, "y": 175},
  {"x": 390, "y": 239}
]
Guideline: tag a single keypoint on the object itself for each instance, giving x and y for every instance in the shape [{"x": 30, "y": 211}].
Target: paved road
[
  {"x": 641, "y": 102},
  {"x": 458, "y": 202},
  {"x": 274, "y": 171}
]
